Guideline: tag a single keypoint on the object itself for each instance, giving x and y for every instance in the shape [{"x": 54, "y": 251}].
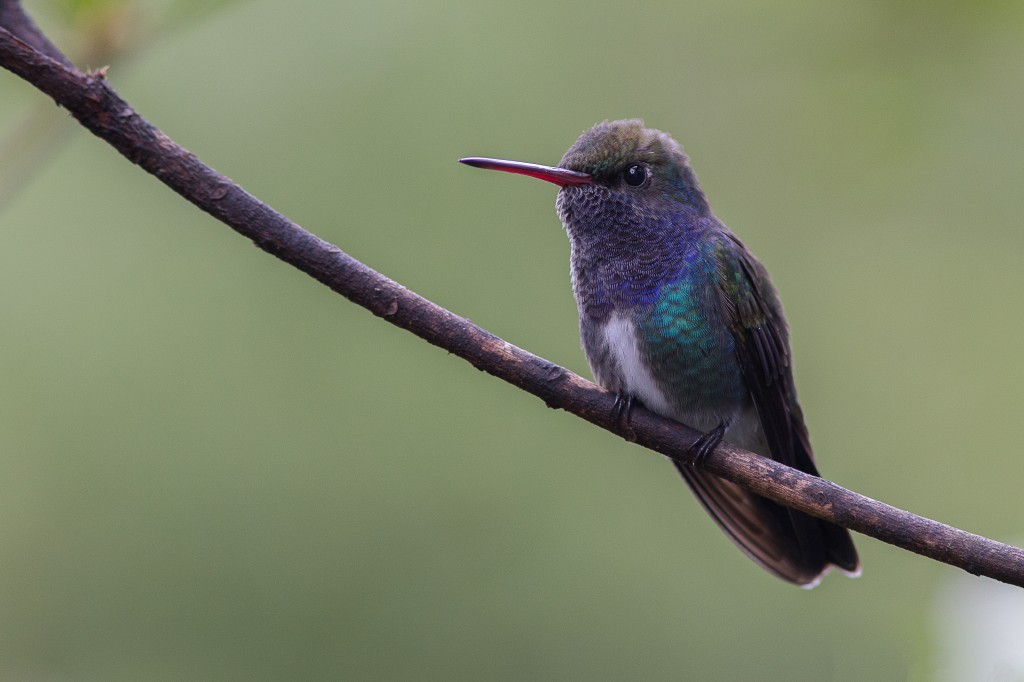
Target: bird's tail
[{"x": 792, "y": 545}]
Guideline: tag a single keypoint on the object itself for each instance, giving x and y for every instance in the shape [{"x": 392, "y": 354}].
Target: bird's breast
[{"x": 675, "y": 354}]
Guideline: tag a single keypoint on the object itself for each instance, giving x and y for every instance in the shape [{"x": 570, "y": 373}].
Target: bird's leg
[
  {"x": 620, "y": 414},
  {"x": 703, "y": 446}
]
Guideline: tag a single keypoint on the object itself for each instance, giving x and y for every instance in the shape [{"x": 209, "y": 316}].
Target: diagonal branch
[{"x": 95, "y": 104}]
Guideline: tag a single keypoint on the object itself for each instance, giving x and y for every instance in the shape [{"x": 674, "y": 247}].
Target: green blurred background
[{"x": 211, "y": 467}]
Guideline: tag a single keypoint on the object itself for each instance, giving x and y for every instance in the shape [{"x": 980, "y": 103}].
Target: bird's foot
[
  {"x": 704, "y": 445},
  {"x": 620, "y": 414},
  {"x": 621, "y": 409}
]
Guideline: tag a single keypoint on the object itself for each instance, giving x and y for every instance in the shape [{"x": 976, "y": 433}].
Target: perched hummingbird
[{"x": 678, "y": 315}]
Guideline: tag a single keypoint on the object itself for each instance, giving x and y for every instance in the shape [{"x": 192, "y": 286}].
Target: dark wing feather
[{"x": 792, "y": 545}]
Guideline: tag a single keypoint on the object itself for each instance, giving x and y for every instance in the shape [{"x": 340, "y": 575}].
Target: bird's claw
[
  {"x": 621, "y": 409},
  {"x": 620, "y": 415},
  {"x": 705, "y": 445}
]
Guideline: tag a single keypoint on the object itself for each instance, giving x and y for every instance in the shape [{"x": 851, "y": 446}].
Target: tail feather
[{"x": 787, "y": 543}]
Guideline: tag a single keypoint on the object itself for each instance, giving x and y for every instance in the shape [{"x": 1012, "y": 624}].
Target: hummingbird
[{"x": 678, "y": 315}]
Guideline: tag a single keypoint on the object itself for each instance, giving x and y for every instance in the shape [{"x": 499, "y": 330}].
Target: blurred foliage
[
  {"x": 213, "y": 468},
  {"x": 95, "y": 34}
]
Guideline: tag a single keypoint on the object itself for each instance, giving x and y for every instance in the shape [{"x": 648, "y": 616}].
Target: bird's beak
[{"x": 560, "y": 176}]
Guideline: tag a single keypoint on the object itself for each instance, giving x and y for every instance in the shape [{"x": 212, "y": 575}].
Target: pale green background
[{"x": 211, "y": 467}]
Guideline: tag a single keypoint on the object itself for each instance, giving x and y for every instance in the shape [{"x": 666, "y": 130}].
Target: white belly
[
  {"x": 631, "y": 373},
  {"x": 632, "y": 376}
]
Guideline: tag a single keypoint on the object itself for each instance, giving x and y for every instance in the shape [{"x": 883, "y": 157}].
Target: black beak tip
[{"x": 475, "y": 161}]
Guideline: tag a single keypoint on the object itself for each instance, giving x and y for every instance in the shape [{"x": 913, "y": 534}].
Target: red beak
[{"x": 560, "y": 176}]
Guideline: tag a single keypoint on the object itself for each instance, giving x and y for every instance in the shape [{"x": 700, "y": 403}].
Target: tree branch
[{"x": 95, "y": 104}]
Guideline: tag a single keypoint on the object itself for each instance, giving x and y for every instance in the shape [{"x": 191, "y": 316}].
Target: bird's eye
[{"x": 636, "y": 175}]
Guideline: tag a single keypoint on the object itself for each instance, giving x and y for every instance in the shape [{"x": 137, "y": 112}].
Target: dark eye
[{"x": 635, "y": 175}]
